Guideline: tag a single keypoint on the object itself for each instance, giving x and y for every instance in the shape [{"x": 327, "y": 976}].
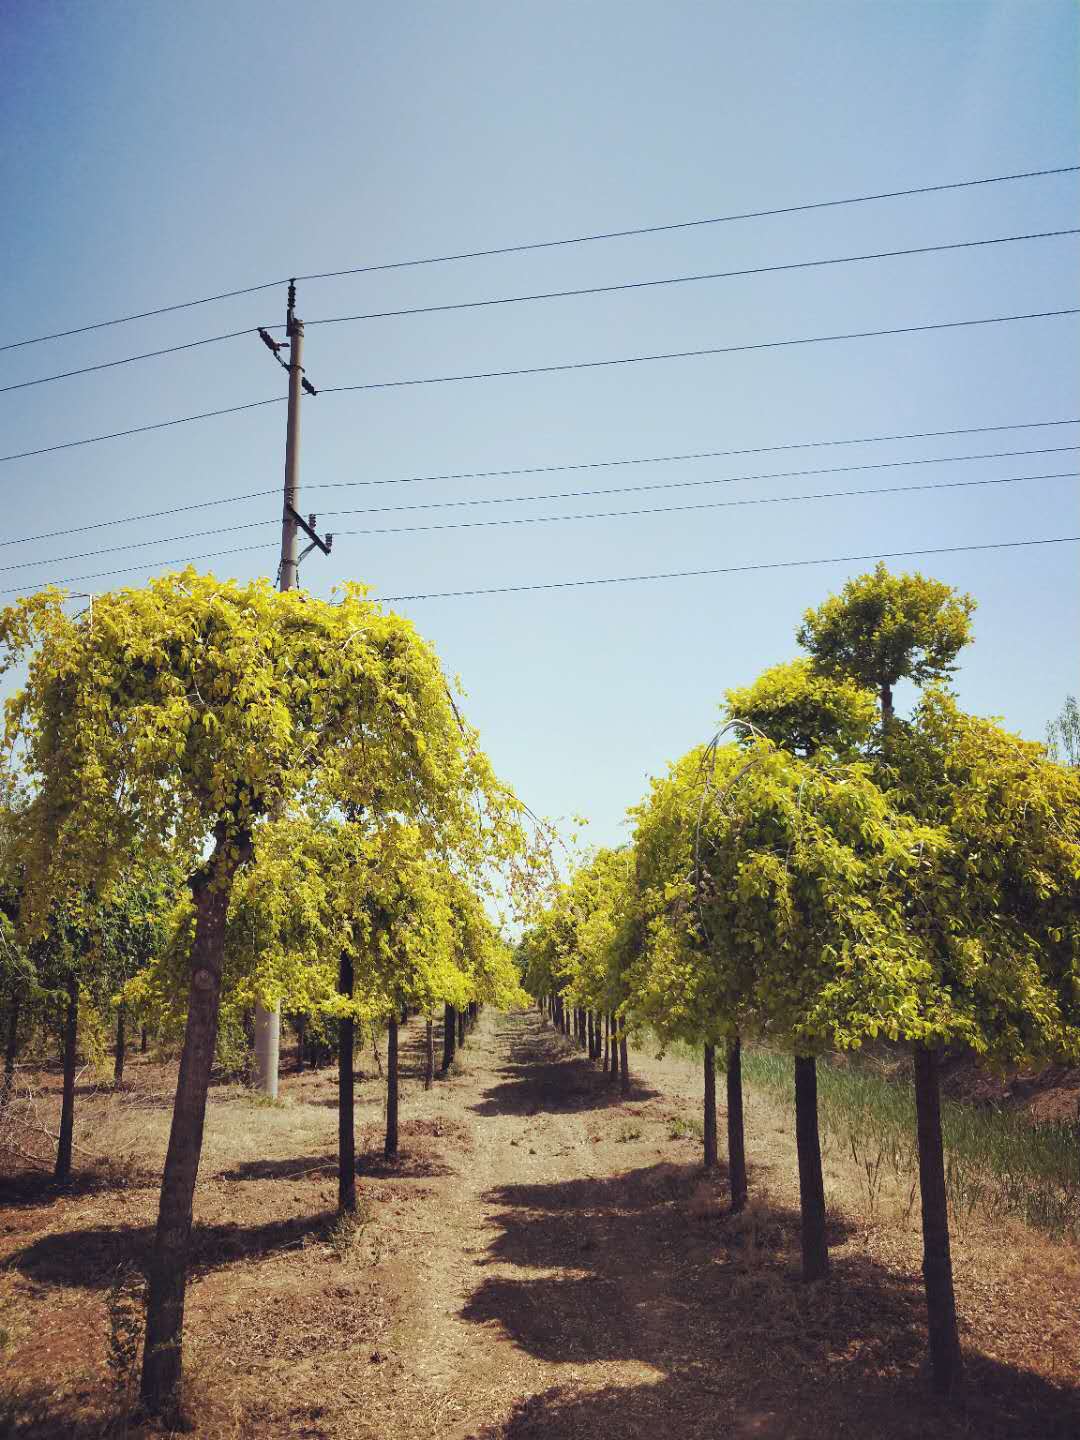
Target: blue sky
[{"x": 152, "y": 154}]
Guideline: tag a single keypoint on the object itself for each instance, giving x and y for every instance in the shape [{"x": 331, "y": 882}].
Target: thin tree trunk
[
  {"x": 607, "y": 1042},
  {"x": 886, "y": 706},
  {"x": 67, "y": 1111},
  {"x": 392, "y": 1088},
  {"x": 945, "y": 1356},
  {"x": 11, "y": 1048},
  {"x": 736, "y": 1134},
  {"x": 710, "y": 1107},
  {"x": 121, "y": 1036},
  {"x": 613, "y": 1073},
  {"x": 624, "y": 1065},
  {"x": 429, "y": 1054},
  {"x": 301, "y": 1039},
  {"x": 815, "y": 1251},
  {"x": 590, "y": 1035},
  {"x": 461, "y": 1027},
  {"x": 143, "y": 1040},
  {"x": 449, "y": 1038},
  {"x": 346, "y": 1094},
  {"x": 167, "y": 1272}
]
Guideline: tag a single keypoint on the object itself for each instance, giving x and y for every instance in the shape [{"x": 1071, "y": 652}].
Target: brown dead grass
[{"x": 543, "y": 1259}]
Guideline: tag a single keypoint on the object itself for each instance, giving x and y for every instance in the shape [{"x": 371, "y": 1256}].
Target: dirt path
[
  {"x": 545, "y": 1259},
  {"x": 585, "y": 1279}
]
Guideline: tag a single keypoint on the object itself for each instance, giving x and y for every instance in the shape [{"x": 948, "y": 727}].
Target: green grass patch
[{"x": 997, "y": 1161}]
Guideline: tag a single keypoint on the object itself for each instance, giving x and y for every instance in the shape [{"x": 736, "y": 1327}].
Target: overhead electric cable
[
  {"x": 545, "y": 295},
  {"x": 602, "y": 465},
  {"x": 695, "y": 354},
  {"x": 553, "y": 244},
  {"x": 693, "y": 484},
  {"x": 130, "y": 569},
  {"x": 142, "y": 429},
  {"x": 728, "y": 569},
  {"x": 701, "y": 505},
  {"x": 130, "y": 359},
  {"x": 140, "y": 544},
  {"x": 683, "y": 279},
  {"x": 550, "y": 519},
  {"x": 691, "y": 224}
]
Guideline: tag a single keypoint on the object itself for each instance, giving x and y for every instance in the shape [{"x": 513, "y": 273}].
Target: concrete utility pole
[{"x": 268, "y": 1022}]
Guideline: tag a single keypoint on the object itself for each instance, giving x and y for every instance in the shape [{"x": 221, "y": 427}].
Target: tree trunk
[
  {"x": 167, "y": 1271},
  {"x": 613, "y": 1073},
  {"x": 461, "y": 1027},
  {"x": 392, "y": 1088},
  {"x": 886, "y": 706},
  {"x": 67, "y": 1110},
  {"x": 945, "y": 1357},
  {"x": 301, "y": 1040},
  {"x": 429, "y": 1054},
  {"x": 736, "y": 1135},
  {"x": 121, "y": 1028},
  {"x": 11, "y": 1049},
  {"x": 815, "y": 1251},
  {"x": 590, "y": 1037},
  {"x": 143, "y": 1040},
  {"x": 624, "y": 1065},
  {"x": 449, "y": 1043},
  {"x": 710, "y": 1107},
  {"x": 607, "y": 1042},
  {"x": 346, "y": 1094}
]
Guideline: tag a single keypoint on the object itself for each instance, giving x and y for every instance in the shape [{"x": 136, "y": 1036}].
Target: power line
[
  {"x": 551, "y": 369},
  {"x": 129, "y": 359},
  {"x": 582, "y": 291},
  {"x": 141, "y": 429},
  {"x": 692, "y": 484},
  {"x": 130, "y": 569},
  {"x": 691, "y": 224},
  {"x": 551, "y": 519},
  {"x": 688, "y": 279},
  {"x": 553, "y": 244},
  {"x": 703, "y": 505},
  {"x": 695, "y": 354},
  {"x": 729, "y": 569},
  {"x": 607, "y": 464},
  {"x": 138, "y": 545}
]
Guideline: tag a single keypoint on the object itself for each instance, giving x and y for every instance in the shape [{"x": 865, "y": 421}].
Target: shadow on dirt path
[{"x": 642, "y": 1270}]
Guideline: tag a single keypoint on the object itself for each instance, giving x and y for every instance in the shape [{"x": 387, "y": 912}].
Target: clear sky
[{"x": 153, "y": 153}]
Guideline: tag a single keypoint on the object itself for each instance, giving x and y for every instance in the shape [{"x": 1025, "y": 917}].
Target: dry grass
[{"x": 544, "y": 1259}]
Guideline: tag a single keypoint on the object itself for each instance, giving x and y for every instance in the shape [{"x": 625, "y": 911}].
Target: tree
[
  {"x": 1063, "y": 734},
  {"x": 689, "y": 981},
  {"x": 998, "y": 907},
  {"x": 804, "y": 863},
  {"x": 180, "y": 715},
  {"x": 882, "y": 628}
]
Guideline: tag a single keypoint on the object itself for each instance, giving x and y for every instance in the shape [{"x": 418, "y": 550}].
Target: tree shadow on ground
[
  {"x": 295, "y": 1167},
  {"x": 545, "y": 1074},
  {"x": 710, "y": 1310},
  {"x": 26, "y": 1189},
  {"x": 89, "y": 1258},
  {"x": 37, "y": 1413}
]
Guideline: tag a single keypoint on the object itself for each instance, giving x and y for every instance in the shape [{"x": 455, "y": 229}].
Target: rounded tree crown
[{"x": 882, "y": 628}]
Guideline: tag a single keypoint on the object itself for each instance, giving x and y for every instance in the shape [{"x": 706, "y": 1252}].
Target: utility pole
[{"x": 268, "y": 1022}]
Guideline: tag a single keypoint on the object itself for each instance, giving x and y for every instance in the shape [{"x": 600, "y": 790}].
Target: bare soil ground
[{"x": 546, "y": 1259}]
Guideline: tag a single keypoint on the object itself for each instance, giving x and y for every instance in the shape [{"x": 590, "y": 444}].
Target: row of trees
[
  {"x": 824, "y": 874},
  {"x": 217, "y": 792}
]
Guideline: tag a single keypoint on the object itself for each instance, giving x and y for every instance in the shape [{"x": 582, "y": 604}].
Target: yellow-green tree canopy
[
  {"x": 882, "y": 628},
  {"x": 804, "y": 711},
  {"x": 185, "y": 711},
  {"x": 999, "y": 904}
]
